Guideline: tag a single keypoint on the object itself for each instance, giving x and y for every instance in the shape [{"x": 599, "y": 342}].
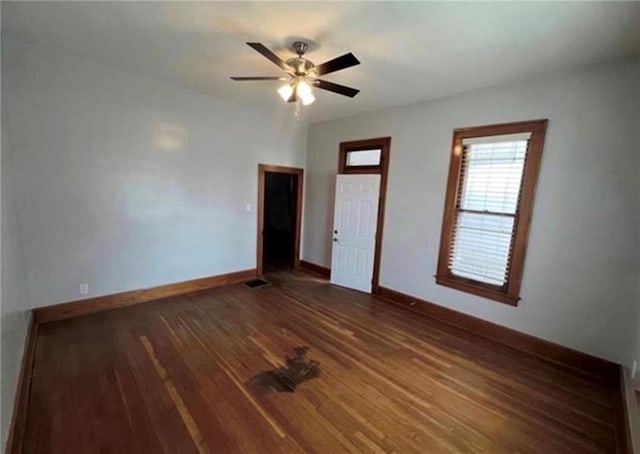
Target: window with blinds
[{"x": 483, "y": 217}]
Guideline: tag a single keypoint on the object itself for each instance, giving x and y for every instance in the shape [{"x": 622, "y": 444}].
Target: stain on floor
[{"x": 285, "y": 379}]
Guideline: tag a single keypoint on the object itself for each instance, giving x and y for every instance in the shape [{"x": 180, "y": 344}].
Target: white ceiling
[{"x": 409, "y": 51}]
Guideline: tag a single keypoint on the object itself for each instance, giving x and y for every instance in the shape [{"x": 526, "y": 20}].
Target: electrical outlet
[
  {"x": 84, "y": 289},
  {"x": 634, "y": 369}
]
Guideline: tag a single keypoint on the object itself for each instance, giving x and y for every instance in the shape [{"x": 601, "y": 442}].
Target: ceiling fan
[{"x": 302, "y": 74}]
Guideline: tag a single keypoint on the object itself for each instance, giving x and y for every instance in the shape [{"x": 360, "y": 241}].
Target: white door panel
[{"x": 354, "y": 230}]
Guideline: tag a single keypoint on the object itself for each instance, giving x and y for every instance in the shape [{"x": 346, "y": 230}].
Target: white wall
[
  {"x": 14, "y": 309},
  {"x": 124, "y": 182},
  {"x": 582, "y": 264}
]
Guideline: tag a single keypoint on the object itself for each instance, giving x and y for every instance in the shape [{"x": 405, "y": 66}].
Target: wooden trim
[
  {"x": 603, "y": 398},
  {"x": 511, "y": 293},
  {"x": 362, "y": 169},
  {"x": 501, "y": 129},
  {"x": 76, "y": 308},
  {"x": 18, "y": 424},
  {"x": 315, "y": 269},
  {"x": 592, "y": 366},
  {"x": 106, "y": 302},
  {"x": 525, "y": 209},
  {"x": 520, "y": 341},
  {"x": 262, "y": 169},
  {"x": 467, "y": 285},
  {"x": 384, "y": 144}
]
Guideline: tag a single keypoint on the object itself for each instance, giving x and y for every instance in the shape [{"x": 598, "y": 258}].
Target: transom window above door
[
  {"x": 488, "y": 207},
  {"x": 358, "y": 158},
  {"x": 364, "y": 156}
]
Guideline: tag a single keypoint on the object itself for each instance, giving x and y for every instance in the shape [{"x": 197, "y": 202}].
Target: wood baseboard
[
  {"x": 102, "y": 303},
  {"x": 515, "y": 339},
  {"x": 23, "y": 391},
  {"x": 596, "y": 367},
  {"x": 524, "y": 342},
  {"x": 315, "y": 269}
]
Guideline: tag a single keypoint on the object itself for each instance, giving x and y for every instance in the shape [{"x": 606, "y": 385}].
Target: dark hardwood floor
[{"x": 297, "y": 366}]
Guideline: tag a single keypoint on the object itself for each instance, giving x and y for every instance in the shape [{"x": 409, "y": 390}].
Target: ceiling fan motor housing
[{"x": 300, "y": 66}]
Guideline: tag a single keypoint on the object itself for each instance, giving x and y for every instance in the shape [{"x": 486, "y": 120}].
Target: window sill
[{"x": 478, "y": 290}]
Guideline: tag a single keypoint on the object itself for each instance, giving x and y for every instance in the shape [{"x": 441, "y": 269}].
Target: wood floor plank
[{"x": 300, "y": 366}]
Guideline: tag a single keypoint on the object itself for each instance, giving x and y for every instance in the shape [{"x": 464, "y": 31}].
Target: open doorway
[{"x": 279, "y": 217}]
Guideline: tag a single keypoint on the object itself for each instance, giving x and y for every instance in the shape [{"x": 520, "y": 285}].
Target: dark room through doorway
[{"x": 281, "y": 218}]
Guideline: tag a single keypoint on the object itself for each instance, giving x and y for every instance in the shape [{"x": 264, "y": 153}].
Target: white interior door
[{"x": 355, "y": 219}]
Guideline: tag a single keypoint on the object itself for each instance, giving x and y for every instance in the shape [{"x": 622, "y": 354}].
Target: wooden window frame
[
  {"x": 510, "y": 292},
  {"x": 379, "y": 143}
]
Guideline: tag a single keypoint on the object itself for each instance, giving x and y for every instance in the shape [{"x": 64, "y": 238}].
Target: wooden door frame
[
  {"x": 262, "y": 170},
  {"x": 384, "y": 144}
]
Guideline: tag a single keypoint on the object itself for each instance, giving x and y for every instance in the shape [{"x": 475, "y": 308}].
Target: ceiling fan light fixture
[
  {"x": 302, "y": 74},
  {"x": 285, "y": 92},
  {"x": 309, "y": 99},
  {"x": 304, "y": 92}
]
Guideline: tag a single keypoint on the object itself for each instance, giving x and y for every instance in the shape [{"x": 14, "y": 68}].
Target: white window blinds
[{"x": 487, "y": 207}]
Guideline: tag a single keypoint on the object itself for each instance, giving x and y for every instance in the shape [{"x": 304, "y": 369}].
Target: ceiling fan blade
[
  {"x": 238, "y": 78},
  {"x": 342, "y": 62},
  {"x": 259, "y": 47},
  {"x": 336, "y": 88}
]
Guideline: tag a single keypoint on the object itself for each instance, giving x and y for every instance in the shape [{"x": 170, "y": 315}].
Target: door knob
[{"x": 335, "y": 240}]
